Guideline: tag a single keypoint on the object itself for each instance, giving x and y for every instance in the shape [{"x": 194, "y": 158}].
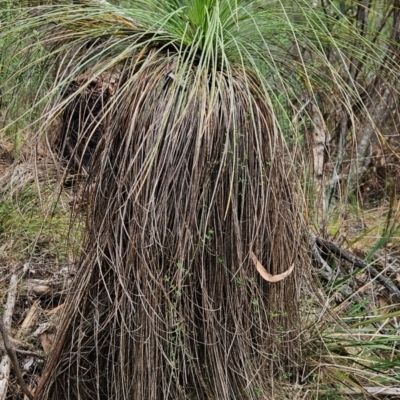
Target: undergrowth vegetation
[
  {"x": 184, "y": 155},
  {"x": 24, "y": 220}
]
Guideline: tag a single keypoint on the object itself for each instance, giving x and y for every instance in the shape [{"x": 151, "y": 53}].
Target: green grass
[{"x": 34, "y": 225}]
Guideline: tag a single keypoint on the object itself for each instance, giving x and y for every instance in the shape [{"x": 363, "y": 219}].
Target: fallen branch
[
  {"x": 5, "y": 325},
  {"x": 29, "y": 353},
  {"x": 21, "y": 347},
  {"x": 12, "y": 356},
  {"x": 6, "y": 322},
  {"x": 374, "y": 391},
  {"x": 325, "y": 270},
  {"x": 43, "y": 287},
  {"x": 390, "y": 286}
]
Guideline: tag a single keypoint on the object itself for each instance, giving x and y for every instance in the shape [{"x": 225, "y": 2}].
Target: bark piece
[
  {"x": 47, "y": 342},
  {"x": 30, "y": 319},
  {"x": 319, "y": 140}
]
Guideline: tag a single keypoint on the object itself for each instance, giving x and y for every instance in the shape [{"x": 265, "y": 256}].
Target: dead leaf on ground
[{"x": 47, "y": 342}]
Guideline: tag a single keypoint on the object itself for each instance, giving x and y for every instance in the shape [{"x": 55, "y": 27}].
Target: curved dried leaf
[{"x": 265, "y": 274}]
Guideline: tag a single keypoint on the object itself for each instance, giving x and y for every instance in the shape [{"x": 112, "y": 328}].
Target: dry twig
[
  {"x": 5, "y": 324},
  {"x": 390, "y": 286}
]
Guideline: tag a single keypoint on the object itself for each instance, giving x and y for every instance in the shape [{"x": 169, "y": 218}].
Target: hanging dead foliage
[
  {"x": 83, "y": 120},
  {"x": 191, "y": 178}
]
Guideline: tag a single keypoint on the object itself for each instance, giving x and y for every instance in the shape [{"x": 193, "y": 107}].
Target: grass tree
[{"x": 195, "y": 261}]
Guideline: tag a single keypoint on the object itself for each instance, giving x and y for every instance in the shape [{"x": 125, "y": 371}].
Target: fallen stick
[
  {"x": 374, "y": 391},
  {"x": 390, "y": 286},
  {"x": 6, "y": 320},
  {"x": 21, "y": 347},
  {"x": 5, "y": 325},
  {"x": 325, "y": 270},
  {"x": 44, "y": 287}
]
